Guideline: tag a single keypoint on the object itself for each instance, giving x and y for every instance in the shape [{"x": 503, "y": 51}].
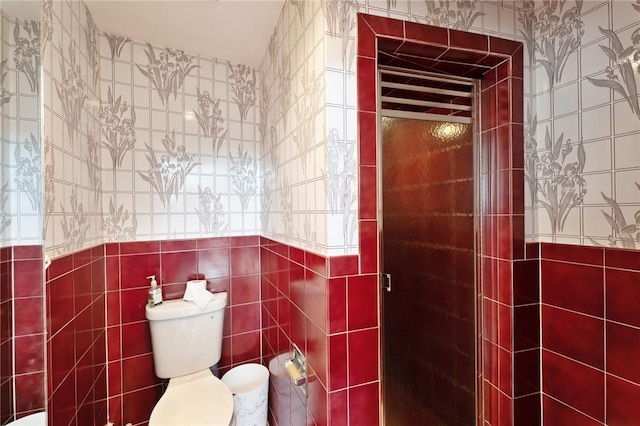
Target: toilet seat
[{"x": 198, "y": 399}]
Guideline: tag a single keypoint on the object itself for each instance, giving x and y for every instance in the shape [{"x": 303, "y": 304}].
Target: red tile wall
[
  {"x": 590, "y": 335},
  {"x": 229, "y": 264},
  {"x": 76, "y": 339},
  {"x": 329, "y": 310},
  {"x": 6, "y": 334},
  {"x": 21, "y": 332}
]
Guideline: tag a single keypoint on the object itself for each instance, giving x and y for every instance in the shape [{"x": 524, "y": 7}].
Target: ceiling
[{"x": 233, "y": 30}]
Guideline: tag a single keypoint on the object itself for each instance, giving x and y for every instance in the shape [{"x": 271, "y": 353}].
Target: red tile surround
[
  {"x": 76, "y": 339},
  {"x": 506, "y": 291},
  {"x": 228, "y": 264},
  {"x": 6, "y": 335},
  {"x": 284, "y": 282},
  {"x": 21, "y": 332},
  {"x": 591, "y": 335},
  {"x": 323, "y": 306}
]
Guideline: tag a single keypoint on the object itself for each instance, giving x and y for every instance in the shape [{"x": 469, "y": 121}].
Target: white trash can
[{"x": 249, "y": 384}]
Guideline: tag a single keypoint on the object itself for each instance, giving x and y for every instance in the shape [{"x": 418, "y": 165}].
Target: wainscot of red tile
[
  {"x": 76, "y": 339},
  {"x": 6, "y": 335},
  {"x": 230, "y": 264},
  {"x": 333, "y": 320},
  {"x": 342, "y": 387},
  {"x": 590, "y": 329},
  {"x": 91, "y": 366},
  {"x": 22, "y": 332}
]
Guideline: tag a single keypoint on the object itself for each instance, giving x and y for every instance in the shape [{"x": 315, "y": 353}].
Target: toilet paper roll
[
  {"x": 296, "y": 376},
  {"x": 197, "y": 292}
]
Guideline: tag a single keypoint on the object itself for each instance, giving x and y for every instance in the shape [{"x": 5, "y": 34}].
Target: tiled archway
[{"x": 506, "y": 341}]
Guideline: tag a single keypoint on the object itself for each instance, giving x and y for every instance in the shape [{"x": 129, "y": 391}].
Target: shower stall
[
  {"x": 454, "y": 339},
  {"x": 428, "y": 181}
]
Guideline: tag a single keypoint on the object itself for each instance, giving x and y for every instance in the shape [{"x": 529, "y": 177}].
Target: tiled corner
[{"x": 74, "y": 346}]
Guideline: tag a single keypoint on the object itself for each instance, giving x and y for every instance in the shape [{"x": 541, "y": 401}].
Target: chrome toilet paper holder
[{"x": 297, "y": 369}]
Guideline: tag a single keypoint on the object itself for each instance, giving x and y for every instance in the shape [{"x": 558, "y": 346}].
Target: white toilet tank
[{"x": 185, "y": 338}]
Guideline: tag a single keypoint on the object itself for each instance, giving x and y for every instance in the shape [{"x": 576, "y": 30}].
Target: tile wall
[
  {"x": 21, "y": 297},
  {"x": 22, "y": 334},
  {"x": 76, "y": 339},
  {"x": 501, "y": 206},
  {"x": 20, "y": 158},
  {"x": 6, "y": 334},
  {"x": 72, "y": 184},
  {"x": 22, "y": 348},
  {"x": 590, "y": 334},
  {"x": 326, "y": 308},
  {"x": 308, "y": 180},
  {"x": 229, "y": 264},
  {"x": 71, "y": 128},
  {"x": 597, "y": 165},
  {"x": 28, "y": 330},
  {"x": 176, "y": 162}
]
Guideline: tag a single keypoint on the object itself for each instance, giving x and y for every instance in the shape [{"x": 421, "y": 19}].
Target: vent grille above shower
[{"x": 426, "y": 96}]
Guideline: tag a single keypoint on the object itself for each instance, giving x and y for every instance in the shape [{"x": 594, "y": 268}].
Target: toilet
[{"x": 186, "y": 341}]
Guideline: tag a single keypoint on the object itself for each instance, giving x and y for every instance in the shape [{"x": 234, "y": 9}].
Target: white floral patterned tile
[
  {"x": 599, "y": 156},
  {"x": 176, "y": 122},
  {"x": 490, "y": 18},
  {"x": 159, "y": 121},
  {"x": 417, "y": 8},
  {"x": 335, "y": 87},
  {"x": 597, "y": 184},
  {"x": 192, "y": 226},
  {"x": 596, "y": 123},
  {"x": 623, "y": 15},
  {"x": 567, "y": 127},
  {"x": 205, "y": 67},
  {"x": 235, "y": 222},
  {"x": 507, "y": 20},
  {"x": 624, "y": 119},
  {"x": 220, "y": 71},
  {"x": 597, "y": 16},
  {"x": 175, "y": 103},
  {"x": 27, "y": 128},
  {"x": 627, "y": 151},
  {"x": 140, "y": 80},
  {"x": 106, "y": 69},
  {"x": 565, "y": 99},
  {"x": 192, "y": 84},
  {"x": 141, "y": 99},
  {"x": 593, "y": 96},
  {"x": 123, "y": 71},
  {"x": 333, "y": 53},
  {"x": 159, "y": 225},
  {"x": 626, "y": 186},
  {"x": 530, "y": 223}
]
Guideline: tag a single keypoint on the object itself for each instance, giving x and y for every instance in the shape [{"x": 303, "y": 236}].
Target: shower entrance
[{"x": 428, "y": 172}]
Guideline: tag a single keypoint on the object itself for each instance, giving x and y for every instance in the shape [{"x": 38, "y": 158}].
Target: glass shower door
[{"x": 428, "y": 233}]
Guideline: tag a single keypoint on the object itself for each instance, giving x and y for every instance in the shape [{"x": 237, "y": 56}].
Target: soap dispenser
[{"x": 155, "y": 293}]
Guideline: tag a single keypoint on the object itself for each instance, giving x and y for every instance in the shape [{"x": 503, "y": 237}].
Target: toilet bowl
[
  {"x": 198, "y": 399},
  {"x": 36, "y": 419},
  {"x": 187, "y": 341}
]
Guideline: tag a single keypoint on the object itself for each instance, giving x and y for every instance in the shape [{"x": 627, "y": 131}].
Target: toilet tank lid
[{"x": 178, "y": 308}]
